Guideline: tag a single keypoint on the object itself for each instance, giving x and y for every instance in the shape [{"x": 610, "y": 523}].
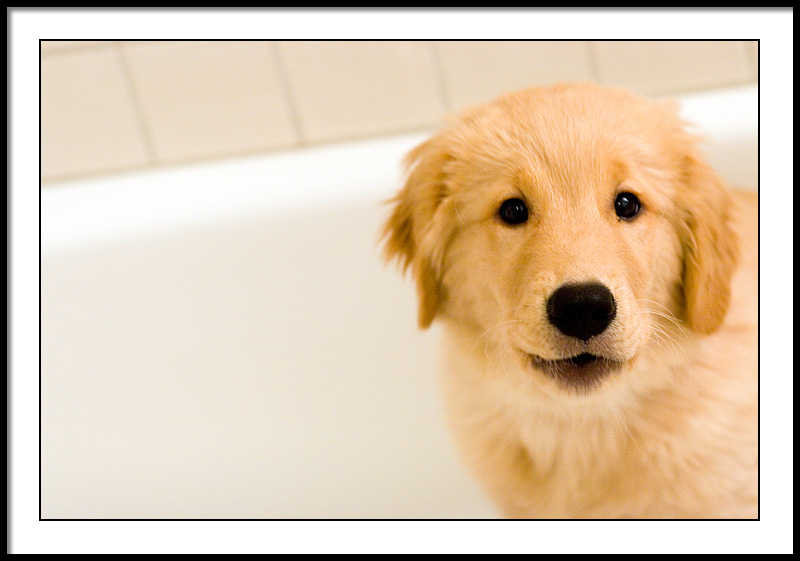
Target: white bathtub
[{"x": 223, "y": 341}]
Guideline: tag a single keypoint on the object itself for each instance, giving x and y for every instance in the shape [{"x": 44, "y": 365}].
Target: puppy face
[{"x": 574, "y": 229}]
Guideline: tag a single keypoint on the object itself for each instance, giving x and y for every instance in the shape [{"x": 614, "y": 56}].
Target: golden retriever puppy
[{"x": 597, "y": 287}]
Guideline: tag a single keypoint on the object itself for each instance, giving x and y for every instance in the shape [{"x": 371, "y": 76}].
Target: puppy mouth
[{"x": 580, "y": 373}]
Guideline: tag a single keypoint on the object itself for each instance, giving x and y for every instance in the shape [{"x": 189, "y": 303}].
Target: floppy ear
[
  {"x": 413, "y": 234},
  {"x": 711, "y": 248}
]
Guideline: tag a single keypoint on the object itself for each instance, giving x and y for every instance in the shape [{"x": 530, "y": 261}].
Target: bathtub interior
[{"x": 223, "y": 340}]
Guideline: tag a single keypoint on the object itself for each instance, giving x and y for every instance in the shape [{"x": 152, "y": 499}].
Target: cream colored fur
[{"x": 671, "y": 433}]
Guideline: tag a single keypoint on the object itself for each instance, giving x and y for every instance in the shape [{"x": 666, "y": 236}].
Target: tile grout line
[
  {"x": 291, "y": 104},
  {"x": 594, "y": 67},
  {"x": 441, "y": 83},
  {"x": 135, "y": 99},
  {"x": 57, "y": 50}
]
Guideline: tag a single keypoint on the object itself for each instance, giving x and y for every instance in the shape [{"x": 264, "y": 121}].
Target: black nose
[{"x": 581, "y": 310}]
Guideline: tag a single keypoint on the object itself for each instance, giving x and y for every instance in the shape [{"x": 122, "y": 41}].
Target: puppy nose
[{"x": 581, "y": 310}]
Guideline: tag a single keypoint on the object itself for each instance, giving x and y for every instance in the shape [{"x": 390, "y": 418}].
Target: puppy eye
[
  {"x": 627, "y": 205},
  {"x": 514, "y": 211}
]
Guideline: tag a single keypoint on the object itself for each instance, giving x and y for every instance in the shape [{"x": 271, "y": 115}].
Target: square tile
[
  {"x": 477, "y": 71},
  {"x": 655, "y": 67},
  {"x": 205, "y": 99},
  {"x": 349, "y": 89},
  {"x": 88, "y": 120}
]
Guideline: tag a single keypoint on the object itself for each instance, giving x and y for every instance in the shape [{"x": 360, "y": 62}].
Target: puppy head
[{"x": 572, "y": 199}]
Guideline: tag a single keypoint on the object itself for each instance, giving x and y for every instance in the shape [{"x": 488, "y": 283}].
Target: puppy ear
[
  {"x": 711, "y": 248},
  {"x": 411, "y": 233}
]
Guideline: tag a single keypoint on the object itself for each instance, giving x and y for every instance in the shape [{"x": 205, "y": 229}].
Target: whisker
[
  {"x": 662, "y": 338},
  {"x": 666, "y": 314}
]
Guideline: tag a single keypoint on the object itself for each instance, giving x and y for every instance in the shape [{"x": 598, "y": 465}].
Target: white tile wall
[
  {"x": 89, "y": 122},
  {"x": 348, "y": 89},
  {"x": 657, "y": 67},
  {"x": 475, "y": 71},
  {"x": 208, "y": 99},
  {"x": 109, "y": 106}
]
